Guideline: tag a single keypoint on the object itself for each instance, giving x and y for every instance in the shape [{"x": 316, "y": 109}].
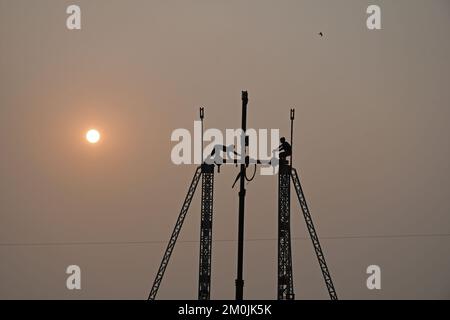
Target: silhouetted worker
[
  {"x": 216, "y": 153},
  {"x": 285, "y": 148}
]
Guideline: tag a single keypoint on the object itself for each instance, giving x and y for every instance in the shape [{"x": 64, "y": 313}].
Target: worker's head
[{"x": 283, "y": 140}]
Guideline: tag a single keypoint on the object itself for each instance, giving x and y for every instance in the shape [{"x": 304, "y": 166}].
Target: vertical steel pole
[
  {"x": 240, "y": 257},
  {"x": 202, "y": 115},
  {"x": 292, "y": 133}
]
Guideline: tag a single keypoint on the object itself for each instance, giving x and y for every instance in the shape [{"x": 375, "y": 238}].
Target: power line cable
[{"x": 146, "y": 242}]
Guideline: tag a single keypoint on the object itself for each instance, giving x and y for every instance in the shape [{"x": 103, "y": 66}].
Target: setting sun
[{"x": 93, "y": 136}]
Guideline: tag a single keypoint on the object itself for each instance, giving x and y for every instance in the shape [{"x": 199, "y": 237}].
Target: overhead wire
[{"x": 145, "y": 242}]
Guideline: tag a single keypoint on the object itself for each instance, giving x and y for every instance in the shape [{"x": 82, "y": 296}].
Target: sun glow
[{"x": 93, "y": 136}]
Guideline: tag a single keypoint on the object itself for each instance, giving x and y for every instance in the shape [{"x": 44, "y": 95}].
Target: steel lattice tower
[
  {"x": 285, "y": 174},
  {"x": 285, "y": 279},
  {"x": 206, "y": 219}
]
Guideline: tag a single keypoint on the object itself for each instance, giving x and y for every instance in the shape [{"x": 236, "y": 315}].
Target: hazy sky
[{"x": 371, "y": 143}]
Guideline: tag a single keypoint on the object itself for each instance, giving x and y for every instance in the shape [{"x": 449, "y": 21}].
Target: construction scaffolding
[{"x": 285, "y": 173}]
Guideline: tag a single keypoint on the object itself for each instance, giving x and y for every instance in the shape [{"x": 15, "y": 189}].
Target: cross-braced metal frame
[
  {"x": 206, "y": 220},
  {"x": 285, "y": 275}
]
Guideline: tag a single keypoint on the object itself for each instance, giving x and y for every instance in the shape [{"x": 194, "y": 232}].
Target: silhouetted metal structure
[
  {"x": 285, "y": 173},
  {"x": 313, "y": 235},
  {"x": 175, "y": 233},
  {"x": 285, "y": 278},
  {"x": 240, "y": 257},
  {"x": 206, "y": 220}
]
